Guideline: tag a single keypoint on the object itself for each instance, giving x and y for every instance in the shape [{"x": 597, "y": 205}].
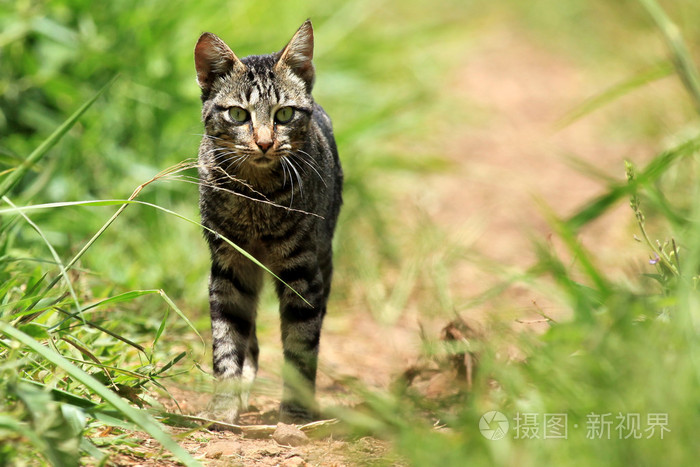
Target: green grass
[{"x": 100, "y": 302}]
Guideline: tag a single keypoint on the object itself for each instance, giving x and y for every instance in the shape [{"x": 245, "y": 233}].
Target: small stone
[
  {"x": 216, "y": 449},
  {"x": 294, "y": 461},
  {"x": 289, "y": 435}
]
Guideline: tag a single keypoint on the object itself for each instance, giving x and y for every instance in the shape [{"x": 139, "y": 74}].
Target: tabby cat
[{"x": 270, "y": 181}]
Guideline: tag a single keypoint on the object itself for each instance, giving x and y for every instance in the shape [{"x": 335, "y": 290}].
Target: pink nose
[{"x": 264, "y": 145}]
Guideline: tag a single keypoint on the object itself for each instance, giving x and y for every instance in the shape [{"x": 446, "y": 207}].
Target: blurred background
[{"x": 466, "y": 128}]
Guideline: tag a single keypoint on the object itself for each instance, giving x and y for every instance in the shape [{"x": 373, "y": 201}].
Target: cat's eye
[
  {"x": 238, "y": 114},
  {"x": 284, "y": 115}
]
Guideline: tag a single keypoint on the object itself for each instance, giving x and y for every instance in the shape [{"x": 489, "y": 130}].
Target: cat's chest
[{"x": 248, "y": 218}]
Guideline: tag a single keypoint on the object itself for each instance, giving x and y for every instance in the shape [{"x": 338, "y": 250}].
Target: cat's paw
[
  {"x": 292, "y": 413},
  {"x": 225, "y": 408},
  {"x": 220, "y": 419}
]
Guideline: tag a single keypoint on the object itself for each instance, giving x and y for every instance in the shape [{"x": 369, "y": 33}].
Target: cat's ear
[
  {"x": 213, "y": 58},
  {"x": 297, "y": 55}
]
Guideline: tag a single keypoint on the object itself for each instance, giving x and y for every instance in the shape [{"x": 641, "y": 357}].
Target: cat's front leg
[
  {"x": 233, "y": 302},
  {"x": 301, "y": 323}
]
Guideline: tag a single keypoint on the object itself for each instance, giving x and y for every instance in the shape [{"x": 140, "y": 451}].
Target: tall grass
[
  {"x": 49, "y": 406},
  {"x": 617, "y": 383},
  {"x": 86, "y": 299}
]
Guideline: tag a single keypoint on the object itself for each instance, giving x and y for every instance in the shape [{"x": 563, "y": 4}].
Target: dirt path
[
  {"x": 514, "y": 162},
  {"x": 502, "y": 163}
]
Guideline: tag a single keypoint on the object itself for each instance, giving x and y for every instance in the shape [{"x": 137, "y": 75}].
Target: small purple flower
[{"x": 655, "y": 260}]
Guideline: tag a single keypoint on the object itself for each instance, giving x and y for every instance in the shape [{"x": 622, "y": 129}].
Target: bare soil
[{"x": 505, "y": 158}]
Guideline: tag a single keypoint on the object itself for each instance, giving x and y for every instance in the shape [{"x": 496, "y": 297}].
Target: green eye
[
  {"x": 238, "y": 115},
  {"x": 284, "y": 115}
]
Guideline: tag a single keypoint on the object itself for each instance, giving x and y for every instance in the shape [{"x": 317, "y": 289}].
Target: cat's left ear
[
  {"x": 213, "y": 58},
  {"x": 297, "y": 55}
]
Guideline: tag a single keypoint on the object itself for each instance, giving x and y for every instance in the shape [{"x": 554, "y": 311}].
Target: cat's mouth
[{"x": 264, "y": 160}]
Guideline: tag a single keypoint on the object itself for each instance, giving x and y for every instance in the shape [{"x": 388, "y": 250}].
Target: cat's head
[{"x": 256, "y": 110}]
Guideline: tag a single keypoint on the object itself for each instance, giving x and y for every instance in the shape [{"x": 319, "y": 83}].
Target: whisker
[
  {"x": 219, "y": 188},
  {"x": 311, "y": 166},
  {"x": 300, "y": 167},
  {"x": 224, "y": 155},
  {"x": 237, "y": 162},
  {"x": 215, "y": 138},
  {"x": 291, "y": 181},
  {"x": 284, "y": 172},
  {"x": 308, "y": 157},
  {"x": 242, "y": 182},
  {"x": 301, "y": 186}
]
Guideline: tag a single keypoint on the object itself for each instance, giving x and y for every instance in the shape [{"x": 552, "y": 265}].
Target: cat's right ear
[{"x": 213, "y": 58}]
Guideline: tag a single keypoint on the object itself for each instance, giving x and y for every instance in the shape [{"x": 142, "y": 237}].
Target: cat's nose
[
  {"x": 264, "y": 144},
  {"x": 263, "y": 137}
]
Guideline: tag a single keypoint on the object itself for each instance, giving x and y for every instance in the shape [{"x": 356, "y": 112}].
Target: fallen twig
[{"x": 252, "y": 431}]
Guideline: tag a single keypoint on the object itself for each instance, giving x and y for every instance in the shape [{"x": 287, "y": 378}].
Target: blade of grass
[
  {"x": 584, "y": 258},
  {"x": 179, "y": 312},
  {"x": 137, "y": 416},
  {"x": 124, "y": 203},
  {"x": 683, "y": 61},
  {"x": 123, "y": 297},
  {"x": 102, "y": 329},
  {"x": 101, "y": 366},
  {"x": 159, "y": 333},
  {"x": 171, "y": 363},
  {"x": 163, "y": 174},
  {"x": 56, "y": 258},
  {"x": 17, "y": 174},
  {"x": 97, "y": 411},
  {"x": 128, "y": 296},
  {"x": 92, "y": 450},
  {"x": 86, "y": 353},
  {"x": 598, "y": 206},
  {"x": 613, "y": 93},
  {"x": 12, "y": 425},
  {"x": 45, "y": 304}
]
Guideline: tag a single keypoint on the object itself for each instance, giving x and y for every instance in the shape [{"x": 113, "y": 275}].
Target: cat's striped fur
[{"x": 272, "y": 184}]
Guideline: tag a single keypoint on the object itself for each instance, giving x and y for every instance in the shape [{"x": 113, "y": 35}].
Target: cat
[{"x": 271, "y": 182}]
